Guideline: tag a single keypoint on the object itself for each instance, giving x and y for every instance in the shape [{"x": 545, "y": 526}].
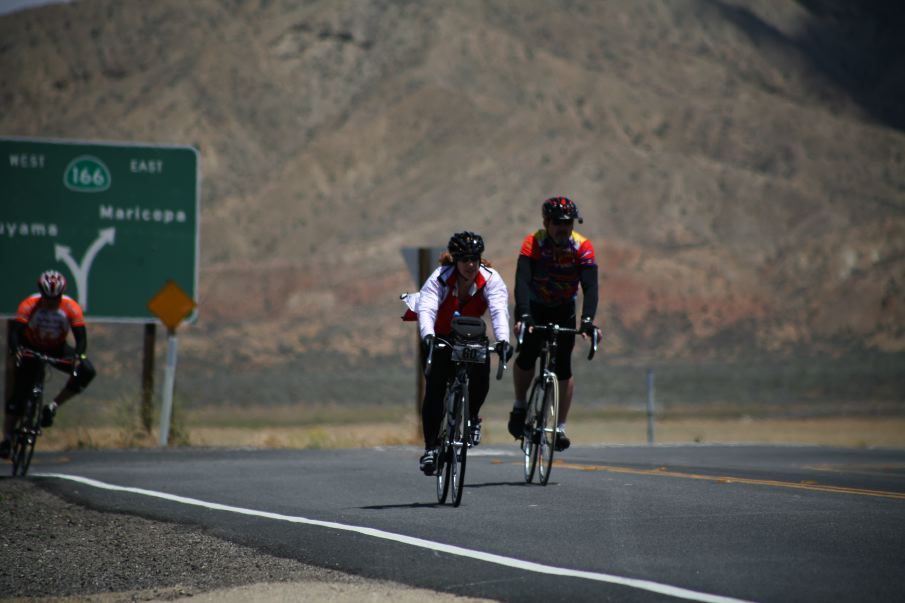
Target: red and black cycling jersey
[
  {"x": 549, "y": 274},
  {"x": 46, "y": 329}
]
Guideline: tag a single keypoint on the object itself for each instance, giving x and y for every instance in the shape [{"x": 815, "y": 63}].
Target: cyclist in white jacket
[{"x": 464, "y": 284}]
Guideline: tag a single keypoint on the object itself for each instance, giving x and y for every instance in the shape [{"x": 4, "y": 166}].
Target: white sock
[{"x": 561, "y": 427}]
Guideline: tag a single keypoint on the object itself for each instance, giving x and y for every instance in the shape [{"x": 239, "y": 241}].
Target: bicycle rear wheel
[
  {"x": 547, "y": 429},
  {"x": 529, "y": 442},
  {"x": 459, "y": 448}
]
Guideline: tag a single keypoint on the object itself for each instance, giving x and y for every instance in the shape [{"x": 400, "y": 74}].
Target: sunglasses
[{"x": 468, "y": 258}]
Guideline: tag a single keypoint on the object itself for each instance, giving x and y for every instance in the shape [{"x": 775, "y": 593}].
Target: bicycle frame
[
  {"x": 539, "y": 440},
  {"x": 28, "y": 425},
  {"x": 454, "y": 437}
]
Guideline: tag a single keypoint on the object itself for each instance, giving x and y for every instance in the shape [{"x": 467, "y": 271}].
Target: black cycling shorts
[{"x": 563, "y": 316}]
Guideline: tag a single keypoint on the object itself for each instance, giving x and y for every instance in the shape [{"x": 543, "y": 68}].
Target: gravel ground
[{"x": 53, "y": 550}]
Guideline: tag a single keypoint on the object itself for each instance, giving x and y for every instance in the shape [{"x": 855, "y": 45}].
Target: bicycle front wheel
[
  {"x": 25, "y": 435},
  {"x": 459, "y": 448},
  {"x": 19, "y": 449},
  {"x": 442, "y": 466},
  {"x": 530, "y": 440},
  {"x": 547, "y": 429}
]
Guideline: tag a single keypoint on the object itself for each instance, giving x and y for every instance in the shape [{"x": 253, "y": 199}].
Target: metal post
[
  {"x": 424, "y": 271},
  {"x": 147, "y": 377},
  {"x": 10, "y": 365},
  {"x": 650, "y": 406},
  {"x": 169, "y": 379}
]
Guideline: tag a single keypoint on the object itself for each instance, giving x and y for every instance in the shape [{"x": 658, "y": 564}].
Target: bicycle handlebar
[
  {"x": 439, "y": 342},
  {"x": 30, "y": 353},
  {"x": 556, "y": 330}
]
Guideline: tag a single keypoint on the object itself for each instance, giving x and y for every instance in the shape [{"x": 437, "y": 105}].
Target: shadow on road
[
  {"x": 428, "y": 505},
  {"x": 402, "y": 506}
]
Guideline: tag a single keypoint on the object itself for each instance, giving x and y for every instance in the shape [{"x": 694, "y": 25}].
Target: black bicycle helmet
[
  {"x": 465, "y": 244},
  {"x": 560, "y": 209}
]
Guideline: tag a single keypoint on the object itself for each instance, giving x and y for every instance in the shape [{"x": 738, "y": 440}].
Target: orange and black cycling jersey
[
  {"x": 549, "y": 275},
  {"x": 45, "y": 330}
]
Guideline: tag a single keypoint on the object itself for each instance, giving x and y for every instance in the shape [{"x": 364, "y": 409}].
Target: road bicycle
[
  {"x": 27, "y": 427},
  {"x": 539, "y": 439},
  {"x": 468, "y": 346}
]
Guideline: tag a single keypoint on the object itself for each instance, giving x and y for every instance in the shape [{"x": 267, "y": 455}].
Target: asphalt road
[{"x": 704, "y": 523}]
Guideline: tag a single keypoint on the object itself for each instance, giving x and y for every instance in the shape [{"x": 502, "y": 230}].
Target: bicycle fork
[
  {"x": 542, "y": 427},
  {"x": 34, "y": 409}
]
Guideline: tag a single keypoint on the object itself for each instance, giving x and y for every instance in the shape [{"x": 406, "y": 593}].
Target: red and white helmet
[{"x": 51, "y": 283}]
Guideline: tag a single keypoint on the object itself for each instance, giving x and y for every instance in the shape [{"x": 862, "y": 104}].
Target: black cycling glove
[
  {"x": 587, "y": 327},
  {"x": 504, "y": 350}
]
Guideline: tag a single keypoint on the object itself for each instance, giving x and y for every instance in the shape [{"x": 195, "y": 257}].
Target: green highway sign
[{"x": 119, "y": 220}]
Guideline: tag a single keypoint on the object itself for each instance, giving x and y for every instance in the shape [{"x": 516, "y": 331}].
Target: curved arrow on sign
[{"x": 106, "y": 236}]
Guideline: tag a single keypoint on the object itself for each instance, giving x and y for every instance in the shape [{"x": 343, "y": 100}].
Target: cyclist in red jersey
[
  {"x": 552, "y": 264},
  {"x": 42, "y": 323}
]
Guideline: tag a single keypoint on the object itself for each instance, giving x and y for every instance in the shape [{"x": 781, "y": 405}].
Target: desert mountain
[{"x": 740, "y": 165}]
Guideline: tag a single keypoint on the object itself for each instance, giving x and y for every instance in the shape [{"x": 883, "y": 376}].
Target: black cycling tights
[
  {"x": 432, "y": 406},
  {"x": 27, "y": 373}
]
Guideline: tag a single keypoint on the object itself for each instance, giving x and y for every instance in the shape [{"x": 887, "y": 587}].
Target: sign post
[
  {"x": 420, "y": 262},
  {"x": 650, "y": 406},
  {"x": 171, "y": 305},
  {"x": 147, "y": 376}
]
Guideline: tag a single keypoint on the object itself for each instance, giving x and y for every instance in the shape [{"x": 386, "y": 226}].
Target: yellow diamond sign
[{"x": 171, "y": 305}]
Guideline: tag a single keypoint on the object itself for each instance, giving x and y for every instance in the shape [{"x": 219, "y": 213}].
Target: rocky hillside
[{"x": 740, "y": 164}]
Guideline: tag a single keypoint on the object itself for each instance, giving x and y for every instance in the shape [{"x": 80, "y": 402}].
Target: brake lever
[{"x": 429, "y": 360}]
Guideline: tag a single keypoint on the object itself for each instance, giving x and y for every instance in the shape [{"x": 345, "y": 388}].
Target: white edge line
[{"x": 664, "y": 589}]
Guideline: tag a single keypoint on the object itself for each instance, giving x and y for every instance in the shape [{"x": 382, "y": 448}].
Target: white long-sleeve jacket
[{"x": 438, "y": 300}]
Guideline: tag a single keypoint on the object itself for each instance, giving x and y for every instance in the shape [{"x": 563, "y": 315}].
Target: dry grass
[
  {"x": 829, "y": 431},
  {"x": 833, "y": 431}
]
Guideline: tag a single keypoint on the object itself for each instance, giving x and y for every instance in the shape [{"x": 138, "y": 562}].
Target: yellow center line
[{"x": 663, "y": 472}]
